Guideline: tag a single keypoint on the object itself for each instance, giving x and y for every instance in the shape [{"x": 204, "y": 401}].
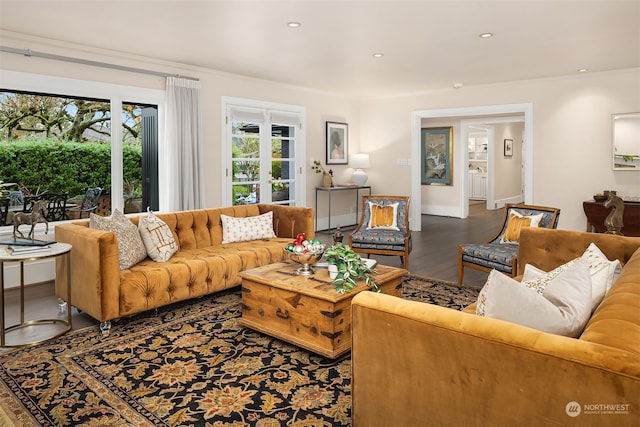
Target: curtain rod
[{"x": 29, "y": 53}]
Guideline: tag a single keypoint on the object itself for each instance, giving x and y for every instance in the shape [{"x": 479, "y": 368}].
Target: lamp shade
[{"x": 359, "y": 161}]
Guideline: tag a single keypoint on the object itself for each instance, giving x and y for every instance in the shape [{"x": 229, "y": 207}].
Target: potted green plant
[
  {"x": 132, "y": 192},
  {"x": 327, "y": 177},
  {"x": 350, "y": 268}
]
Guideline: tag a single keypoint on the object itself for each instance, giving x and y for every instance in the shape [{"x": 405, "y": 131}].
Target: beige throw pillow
[
  {"x": 603, "y": 274},
  {"x": 131, "y": 250},
  {"x": 247, "y": 228},
  {"x": 157, "y": 238},
  {"x": 563, "y": 308}
]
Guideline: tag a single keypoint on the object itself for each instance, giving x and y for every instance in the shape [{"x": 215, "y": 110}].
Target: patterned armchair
[
  {"x": 383, "y": 228},
  {"x": 501, "y": 251}
]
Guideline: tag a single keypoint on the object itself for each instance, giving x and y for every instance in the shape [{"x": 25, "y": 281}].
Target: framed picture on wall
[
  {"x": 436, "y": 155},
  {"x": 508, "y": 147},
  {"x": 337, "y": 139}
]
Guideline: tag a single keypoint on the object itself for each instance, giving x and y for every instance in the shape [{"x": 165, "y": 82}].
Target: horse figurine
[
  {"x": 36, "y": 215},
  {"x": 613, "y": 221}
]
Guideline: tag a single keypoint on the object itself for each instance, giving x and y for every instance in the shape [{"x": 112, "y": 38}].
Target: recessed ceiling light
[
  {"x": 293, "y": 24},
  {"x": 457, "y": 85},
  {"x": 378, "y": 55},
  {"x": 583, "y": 70},
  {"x": 485, "y": 35}
]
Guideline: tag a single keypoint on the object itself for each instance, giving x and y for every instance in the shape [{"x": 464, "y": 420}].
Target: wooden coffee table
[{"x": 306, "y": 310}]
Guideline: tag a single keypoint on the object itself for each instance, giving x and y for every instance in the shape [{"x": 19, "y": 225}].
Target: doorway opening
[{"x": 461, "y": 154}]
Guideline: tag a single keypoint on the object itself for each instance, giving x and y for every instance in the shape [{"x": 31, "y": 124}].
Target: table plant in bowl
[{"x": 351, "y": 268}]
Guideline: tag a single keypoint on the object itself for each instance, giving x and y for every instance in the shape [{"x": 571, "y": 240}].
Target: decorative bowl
[
  {"x": 600, "y": 198},
  {"x": 306, "y": 260}
]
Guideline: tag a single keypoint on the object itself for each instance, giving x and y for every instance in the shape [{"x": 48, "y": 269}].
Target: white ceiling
[{"x": 427, "y": 44}]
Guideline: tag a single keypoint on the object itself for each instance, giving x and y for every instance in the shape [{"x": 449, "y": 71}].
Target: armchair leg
[{"x": 405, "y": 261}]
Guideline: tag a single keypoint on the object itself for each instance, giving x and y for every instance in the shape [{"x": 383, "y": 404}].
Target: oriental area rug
[{"x": 190, "y": 364}]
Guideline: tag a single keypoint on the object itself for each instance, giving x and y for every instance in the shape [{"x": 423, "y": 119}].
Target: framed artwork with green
[{"x": 436, "y": 154}]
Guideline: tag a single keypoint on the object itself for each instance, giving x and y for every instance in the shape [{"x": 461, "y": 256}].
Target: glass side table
[{"x": 9, "y": 335}]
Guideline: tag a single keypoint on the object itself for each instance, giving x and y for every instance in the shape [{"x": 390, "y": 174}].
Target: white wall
[
  {"x": 507, "y": 176},
  {"x": 571, "y": 136}
]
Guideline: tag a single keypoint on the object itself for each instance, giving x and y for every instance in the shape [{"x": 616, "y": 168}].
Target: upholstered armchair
[
  {"x": 501, "y": 251},
  {"x": 383, "y": 228}
]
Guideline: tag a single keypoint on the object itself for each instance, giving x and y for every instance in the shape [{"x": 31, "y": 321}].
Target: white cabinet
[{"x": 477, "y": 186}]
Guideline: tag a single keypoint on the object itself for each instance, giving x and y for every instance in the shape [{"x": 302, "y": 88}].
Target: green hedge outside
[{"x": 71, "y": 167}]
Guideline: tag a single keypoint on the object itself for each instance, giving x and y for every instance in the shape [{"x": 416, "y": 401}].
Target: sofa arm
[
  {"x": 414, "y": 362},
  {"x": 95, "y": 270},
  {"x": 288, "y": 221}
]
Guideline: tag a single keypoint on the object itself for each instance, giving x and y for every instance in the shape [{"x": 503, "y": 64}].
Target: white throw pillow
[
  {"x": 563, "y": 308},
  {"x": 247, "y": 228},
  {"x": 532, "y": 278},
  {"x": 603, "y": 273},
  {"x": 157, "y": 238},
  {"x": 131, "y": 250}
]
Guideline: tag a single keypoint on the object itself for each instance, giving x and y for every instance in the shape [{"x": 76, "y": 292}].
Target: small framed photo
[
  {"x": 337, "y": 143},
  {"x": 508, "y": 147}
]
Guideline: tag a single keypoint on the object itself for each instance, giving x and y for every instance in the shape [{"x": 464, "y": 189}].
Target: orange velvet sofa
[
  {"x": 421, "y": 364},
  {"x": 202, "y": 265}
]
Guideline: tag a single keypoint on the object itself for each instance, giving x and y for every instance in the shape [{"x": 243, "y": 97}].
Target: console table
[
  {"x": 331, "y": 190},
  {"x": 56, "y": 250},
  {"x": 596, "y": 214}
]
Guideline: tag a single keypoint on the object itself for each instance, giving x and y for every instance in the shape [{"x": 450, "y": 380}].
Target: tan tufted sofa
[
  {"x": 203, "y": 264},
  {"x": 420, "y": 364}
]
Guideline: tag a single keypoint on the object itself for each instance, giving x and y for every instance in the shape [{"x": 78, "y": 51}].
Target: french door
[{"x": 264, "y": 155}]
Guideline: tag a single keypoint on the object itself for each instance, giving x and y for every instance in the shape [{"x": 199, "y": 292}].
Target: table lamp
[{"x": 358, "y": 162}]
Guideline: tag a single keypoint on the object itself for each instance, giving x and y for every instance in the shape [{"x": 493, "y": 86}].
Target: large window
[{"x": 67, "y": 143}]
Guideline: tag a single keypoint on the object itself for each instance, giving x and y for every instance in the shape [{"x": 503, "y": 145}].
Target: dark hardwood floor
[
  {"x": 435, "y": 247},
  {"x": 434, "y": 254}
]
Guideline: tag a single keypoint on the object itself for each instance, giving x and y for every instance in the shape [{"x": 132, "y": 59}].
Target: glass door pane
[
  {"x": 245, "y": 163},
  {"x": 283, "y": 164}
]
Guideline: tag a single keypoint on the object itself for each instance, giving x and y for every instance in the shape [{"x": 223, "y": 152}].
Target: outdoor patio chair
[
  {"x": 383, "y": 228},
  {"x": 501, "y": 251},
  {"x": 89, "y": 202},
  {"x": 56, "y": 205},
  {"x": 4, "y": 210}
]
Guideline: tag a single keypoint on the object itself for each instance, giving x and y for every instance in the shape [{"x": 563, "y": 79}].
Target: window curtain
[{"x": 182, "y": 175}]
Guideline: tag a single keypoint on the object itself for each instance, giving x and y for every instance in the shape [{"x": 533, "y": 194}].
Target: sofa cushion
[
  {"x": 157, "y": 238},
  {"x": 563, "y": 308},
  {"x": 131, "y": 250},
  {"x": 247, "y": 228},
  {"x": 515, "y": 223}
]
